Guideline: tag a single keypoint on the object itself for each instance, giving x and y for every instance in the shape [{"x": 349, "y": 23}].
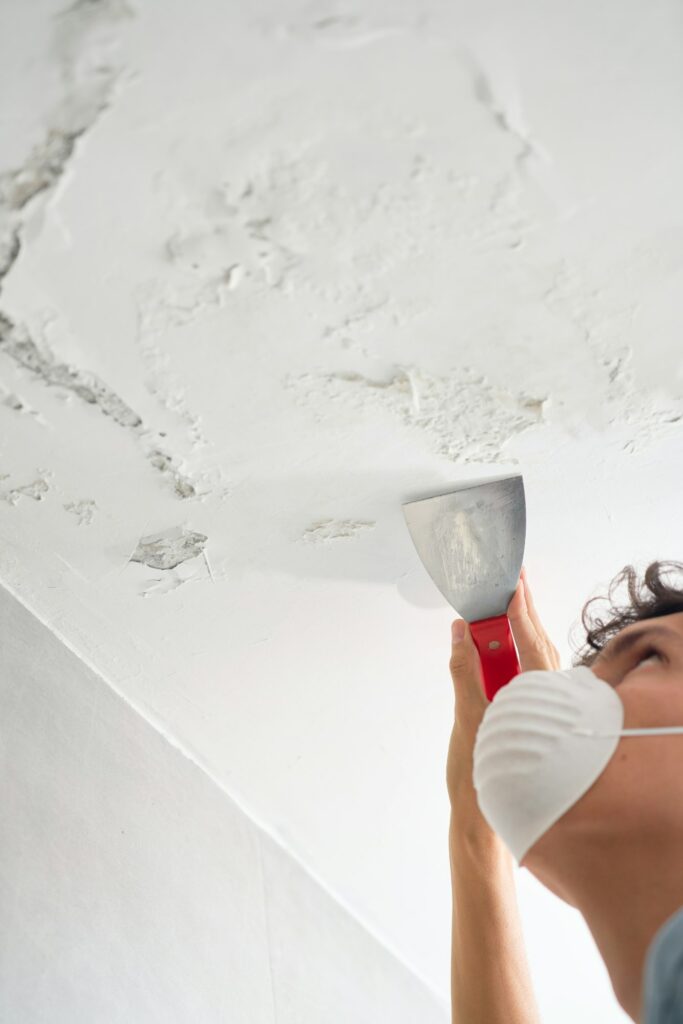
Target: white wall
[{"x": 132, "y": 888}]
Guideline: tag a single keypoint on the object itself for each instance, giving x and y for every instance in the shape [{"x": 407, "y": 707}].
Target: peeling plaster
[
  {"x": 36, "y": 490},
  {"x": 84, "y": 510},
  {"x": 325, "y": 530},
  {"x": 169, "y": 548},
  {"x": 465, "y": 417}
]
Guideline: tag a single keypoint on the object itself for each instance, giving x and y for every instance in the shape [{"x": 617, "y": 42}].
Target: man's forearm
[{"x": 490, "y": 980}]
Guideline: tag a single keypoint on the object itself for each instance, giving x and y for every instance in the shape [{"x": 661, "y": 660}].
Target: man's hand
[
  {"x": 490, "y": 978},
  {"x": 536, "y": 651}
]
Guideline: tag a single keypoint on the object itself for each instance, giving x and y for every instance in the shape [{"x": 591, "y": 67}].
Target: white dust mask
[{"x": 543, "y": 741}]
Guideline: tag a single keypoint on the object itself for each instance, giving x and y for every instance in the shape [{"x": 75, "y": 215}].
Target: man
[{"x": 616, "y": 854}]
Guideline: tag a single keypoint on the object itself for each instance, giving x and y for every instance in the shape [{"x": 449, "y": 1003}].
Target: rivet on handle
[{"x": 494, "y": 645}]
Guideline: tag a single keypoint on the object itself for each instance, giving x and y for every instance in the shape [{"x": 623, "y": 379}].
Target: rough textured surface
[
  {"x": 168, "y": 549},
  {"x": 300, "y": 264}
]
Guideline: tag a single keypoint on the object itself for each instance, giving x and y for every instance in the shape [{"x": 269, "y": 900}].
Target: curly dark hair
[{"x": 650, "y": 599}]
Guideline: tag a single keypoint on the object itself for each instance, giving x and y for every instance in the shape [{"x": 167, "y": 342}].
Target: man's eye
[{"x": 646, "y": 656}]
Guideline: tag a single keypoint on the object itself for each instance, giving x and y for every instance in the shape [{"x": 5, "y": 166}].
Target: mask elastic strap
[{"x": 659, "y": 731}]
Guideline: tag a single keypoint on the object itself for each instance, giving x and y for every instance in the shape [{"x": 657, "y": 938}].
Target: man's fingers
[
  {"x": 465, "y": 666},
  {"x": 530, "y": 606},
  {"x": 533, "y": 643}
]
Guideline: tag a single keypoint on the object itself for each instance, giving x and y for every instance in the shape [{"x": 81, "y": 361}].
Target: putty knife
[{"x": 471, "y": 542}]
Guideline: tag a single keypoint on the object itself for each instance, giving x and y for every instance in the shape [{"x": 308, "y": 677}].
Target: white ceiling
[{"x": 269, "y": 270}]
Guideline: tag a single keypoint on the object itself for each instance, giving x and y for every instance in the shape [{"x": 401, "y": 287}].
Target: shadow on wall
[{"x": 309, "y": 528}]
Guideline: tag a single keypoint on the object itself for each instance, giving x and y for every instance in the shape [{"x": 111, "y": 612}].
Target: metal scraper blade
[{"x": 471, "y": 541}]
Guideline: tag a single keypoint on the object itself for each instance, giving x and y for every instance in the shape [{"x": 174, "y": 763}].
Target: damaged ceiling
[{"x": 269, "y": 270}]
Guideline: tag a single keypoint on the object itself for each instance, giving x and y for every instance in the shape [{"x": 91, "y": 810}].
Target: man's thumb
[
  {"x": 458, "y": 630},
  {"x": 465, "y": 665}
]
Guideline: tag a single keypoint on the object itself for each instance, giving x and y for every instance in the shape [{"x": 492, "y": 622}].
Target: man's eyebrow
[{"x": 623, "y": 642}]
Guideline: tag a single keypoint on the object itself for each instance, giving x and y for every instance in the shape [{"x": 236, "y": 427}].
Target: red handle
[{"x": 496, "y": 647}]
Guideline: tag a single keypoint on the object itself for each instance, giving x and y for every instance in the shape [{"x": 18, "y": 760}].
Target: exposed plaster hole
[
  {"x": 84, "y": 509},
  {"x": 325, "y": 530},
  {"x": 167, "y": 549}
]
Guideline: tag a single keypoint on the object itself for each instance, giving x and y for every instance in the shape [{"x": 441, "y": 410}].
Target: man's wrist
[{"x": 468, "y": 828}]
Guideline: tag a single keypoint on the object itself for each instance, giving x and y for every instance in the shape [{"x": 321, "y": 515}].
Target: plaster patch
[
  {"x": 325, "y": 530},
  {"x": 465, "y": 417},
  {"x": 169, "y": 548},
  {"x": 601, "y": 318},
  {"x": 36, "y": 490},
  {"x": 84, "y": 510}
]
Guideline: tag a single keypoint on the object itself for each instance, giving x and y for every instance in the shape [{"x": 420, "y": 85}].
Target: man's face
[{"x": 639, "y": 795}]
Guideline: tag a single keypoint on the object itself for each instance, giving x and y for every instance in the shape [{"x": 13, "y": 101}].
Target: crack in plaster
[
  {"x": 90, "y": 83},
  {"x": 466, "y": 418},
  {"x": 507, "y": 116},
  {"x": 15, "y": 343},
  {"x": 42, "y": 170},
  {"x": 81, "y": 43},
  {"x": 169, "y": 548},
  {"x": 325, "y": 530}
]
